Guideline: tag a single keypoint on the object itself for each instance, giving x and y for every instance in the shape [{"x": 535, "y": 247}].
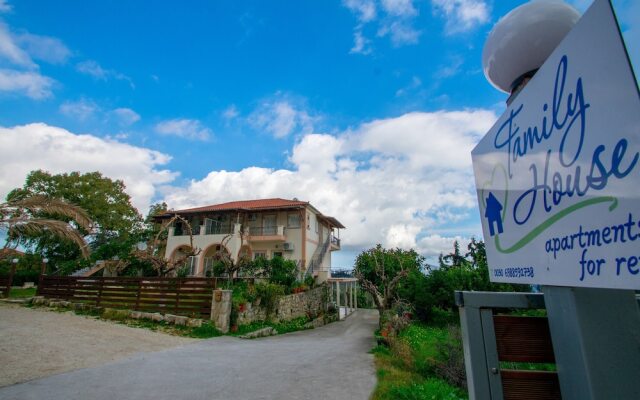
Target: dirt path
[{"x": 35, "y": 342}]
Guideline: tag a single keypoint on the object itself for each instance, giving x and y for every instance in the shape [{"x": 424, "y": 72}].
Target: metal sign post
[{"x": 557, "y": 180}]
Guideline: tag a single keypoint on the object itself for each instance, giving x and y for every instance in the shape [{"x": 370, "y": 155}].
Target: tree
[
  {"x": 155, "y": 258},
  {"x": 380, "y": 271},
  {"x": 117, "y": 223},
  {"x": 19, "y": 217}
]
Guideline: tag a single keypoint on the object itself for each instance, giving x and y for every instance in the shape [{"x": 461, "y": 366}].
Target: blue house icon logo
[{"x": 493, "y": 214}]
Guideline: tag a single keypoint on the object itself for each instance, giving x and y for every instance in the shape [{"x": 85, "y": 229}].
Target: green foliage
[
  {"x": 281, "y": 272},
  {"x": 417, "y": 362},
  {"x": 22, "y": 293},
  {"x": 379, "y": 265},
  {"x": 310, "y": 281},
  {"x": 269, "y": 294},
  {"x": 117, "y": 224},
  {"x": 207, "y": 330},
  {"x": 294, "y": 325},
  {"x": 432, "y": 388},
  {"x": 431, "y": 291}
]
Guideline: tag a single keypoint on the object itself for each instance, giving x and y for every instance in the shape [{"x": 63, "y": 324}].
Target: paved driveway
[{"x": 331, "y": 362}]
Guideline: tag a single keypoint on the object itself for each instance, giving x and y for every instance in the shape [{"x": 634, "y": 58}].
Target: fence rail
[
  {"x": 5, "y": 286},
  {"x": 181, "y": 296}
]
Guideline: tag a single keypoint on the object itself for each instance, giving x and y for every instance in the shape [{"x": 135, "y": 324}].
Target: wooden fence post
[
  {"x": 177, "y": 303},
  {"x": 100, "y": 287},
  {"x": 137, "y": 306},
  {"x": 10, "y": 281}
]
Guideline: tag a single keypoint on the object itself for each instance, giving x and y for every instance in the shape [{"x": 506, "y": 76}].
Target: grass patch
[
  {"x": 397, "y": 382},
  {"x": 22, "y": 293},
  {"x": 296, "y": 324},
  {"x": 418, "y": 364}
]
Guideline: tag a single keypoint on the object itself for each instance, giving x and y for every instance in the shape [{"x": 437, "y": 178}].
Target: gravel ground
[
  {"x": 36, "y": 342},
  {"x": 330, "y": 362}
]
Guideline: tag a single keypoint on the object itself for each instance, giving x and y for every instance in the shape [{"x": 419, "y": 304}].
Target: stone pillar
[{"x": 221, "y": 309}]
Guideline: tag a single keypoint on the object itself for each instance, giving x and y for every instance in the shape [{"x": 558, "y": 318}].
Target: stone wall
[{"x": 310, "y": 303}]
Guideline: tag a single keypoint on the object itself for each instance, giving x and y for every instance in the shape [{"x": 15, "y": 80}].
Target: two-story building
[{"x": 292, "y": 229}]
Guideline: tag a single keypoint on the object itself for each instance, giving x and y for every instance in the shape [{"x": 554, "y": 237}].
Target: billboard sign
[{"x": 558, "y": 175}]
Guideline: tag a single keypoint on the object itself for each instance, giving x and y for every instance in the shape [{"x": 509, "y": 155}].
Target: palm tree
[{"x": 19, "y": 218}]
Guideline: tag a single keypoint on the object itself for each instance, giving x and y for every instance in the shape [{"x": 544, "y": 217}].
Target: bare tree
[
  {"x": 374, "y": 278},
  {"x": 153, "y": 252},
  {"x": 233, "y": 265}
]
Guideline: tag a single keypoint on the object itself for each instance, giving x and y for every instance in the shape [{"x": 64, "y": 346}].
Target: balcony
[
  {"x": 267, "y": 233},
  {"x": 335, "y": 243},
  {"x": 183, "y": 231},
  {"x": 217, "y": 229}
]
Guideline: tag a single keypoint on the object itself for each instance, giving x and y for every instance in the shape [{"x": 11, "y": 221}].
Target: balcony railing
[
  {"x": 263, "y": 230},
  {"x": 218, "y": 229},
  {"x": 183, "y": 231},
  {"x": 335, "y": 241}
]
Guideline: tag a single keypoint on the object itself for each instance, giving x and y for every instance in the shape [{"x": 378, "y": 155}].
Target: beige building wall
[{"x": 305, "y": 239}]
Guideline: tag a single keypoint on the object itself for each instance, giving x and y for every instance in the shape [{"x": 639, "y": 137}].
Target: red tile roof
[
  {"x": 253, "y": 205},
  {"x": 263, "y": 204}
]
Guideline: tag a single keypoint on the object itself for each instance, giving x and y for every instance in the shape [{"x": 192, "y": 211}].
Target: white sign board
[{"x": 558, "y": 176}]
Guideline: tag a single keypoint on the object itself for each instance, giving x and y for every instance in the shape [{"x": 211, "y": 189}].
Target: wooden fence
[
  {"x": 181, "y": 296},
  {"x": 5, "y": 285}
]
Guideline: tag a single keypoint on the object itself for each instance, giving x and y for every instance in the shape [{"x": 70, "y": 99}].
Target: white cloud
[
  {"x": 395, "y": 21},
  {"x": 401, "y": 32},
  {"x": 361, "y": 45},
  {"x": 399, "y": 8},
  {"x": 30, "y": 84},
  {"x": 10, "y": 51},
  {"x": 230, "y": 112},
  {"x": 399, "y": 181},
  {"x": 450, "y": 69},
  {"x": 365, "y": 10},
  {"x": 434, "y": 245},
  {"x": 45, "y": 48},
  {"x": 185, "y": 128},
  {"x": 461, "y": 15},
  {"x": 5, "y": 6},
  {"x": 17, "y": 50},
  {"x": 414, "y": 84},
  {"x": 281, "y": 116},
  {"x": 80, "y": 110},
  {"x": 125, "y": 116},
  {"x": 92, "y": 68},
  {"x": 40, "y": 146}
]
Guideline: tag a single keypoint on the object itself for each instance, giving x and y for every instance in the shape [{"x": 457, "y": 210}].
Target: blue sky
[{"x": 366, "y": 108}]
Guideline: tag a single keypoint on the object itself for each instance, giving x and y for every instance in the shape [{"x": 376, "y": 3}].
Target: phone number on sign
[{"x": 514, "y": 272}]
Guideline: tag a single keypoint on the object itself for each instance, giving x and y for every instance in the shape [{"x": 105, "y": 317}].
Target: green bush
[
  {"x": 22, "y": 276},
  {"x": 432, "y": 389},
  {"x": 269, "y": 294},
  {"x": 282, "y": 272}
]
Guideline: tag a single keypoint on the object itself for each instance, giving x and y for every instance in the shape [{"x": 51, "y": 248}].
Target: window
[
  {"x": 259, "y": 254},
  {"x": 192, "y": 265},
  {"x": 277, "y": 254},
  {"x": 293, "y": 221},
  {"x": 308, "y": 222}
]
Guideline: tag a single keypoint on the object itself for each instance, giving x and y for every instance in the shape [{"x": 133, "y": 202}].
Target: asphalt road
[{"x": 331, "y": 362}]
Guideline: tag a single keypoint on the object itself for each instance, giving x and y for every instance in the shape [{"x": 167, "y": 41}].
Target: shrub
[
  {"x": 22, "y": 276},
  {"x": 432, "y": 388},
  {"x": 269, "y": 294},
  {"x": 450, "y": 358},
  {"x": 282, "y": 272}
]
